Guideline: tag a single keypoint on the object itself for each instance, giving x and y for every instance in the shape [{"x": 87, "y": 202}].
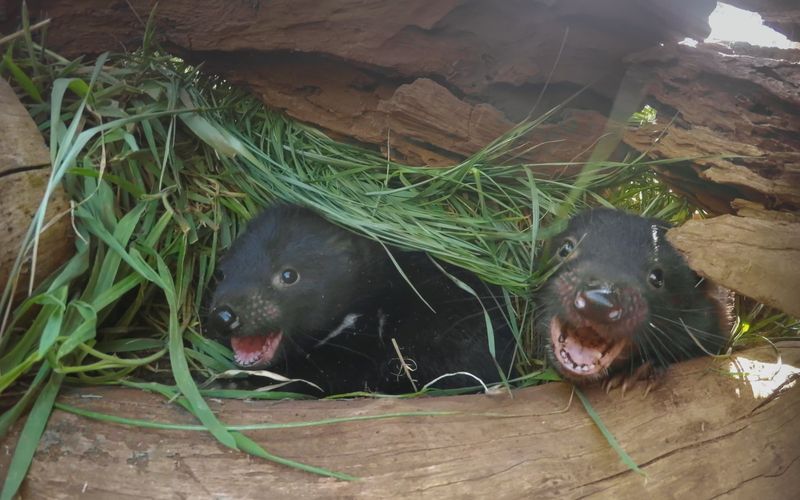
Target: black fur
[
  {"x": 343, "y": 275},
  {"x": 619, "y": 259}
]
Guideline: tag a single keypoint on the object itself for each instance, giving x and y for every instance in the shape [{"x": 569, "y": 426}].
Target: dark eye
[
  {"x": 566, "y": 248},
  {"x": 289, "y": 276},
  {"x": 218, "y": 275},
  {"x": 656, "y": 278}
]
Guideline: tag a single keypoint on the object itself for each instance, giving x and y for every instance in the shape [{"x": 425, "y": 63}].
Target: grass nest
[{"x": 164, "y": 165}]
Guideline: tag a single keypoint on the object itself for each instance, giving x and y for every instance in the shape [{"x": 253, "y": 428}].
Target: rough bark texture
[
  {"x": 24, "y": 170},
  {"x": 700, "y": 435},
  {"x": 756, "y": 257},
  {"x": 429, "y": 81},
  {"x": 432, "y": 82},
  {"x": 714, "y": 103}
]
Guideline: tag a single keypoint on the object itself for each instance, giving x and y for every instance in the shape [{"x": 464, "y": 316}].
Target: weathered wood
[
  {"x": 24, "y": 171},
  {"x": 713, "y": 102},
  {"x": 431, "y": 82},
  {"x": 21, "y": 144},
  {"x": 756, "y": 257},
  {"x": 746, "y": 208},
  {"x": 357, "y": 68},
  {"x": 701, "y": 434}
]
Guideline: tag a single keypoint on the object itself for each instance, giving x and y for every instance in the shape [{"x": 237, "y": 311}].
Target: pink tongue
[
  {"x": 255, "y": 350},
  {"x": 582, "y": 354}
]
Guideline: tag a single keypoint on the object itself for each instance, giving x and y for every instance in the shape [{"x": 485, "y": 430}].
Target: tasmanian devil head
[
  {"x": 289, "y": 280},
  {"x": 622, "y": 297}
]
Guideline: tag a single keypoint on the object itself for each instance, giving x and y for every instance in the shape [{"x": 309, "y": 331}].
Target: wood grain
[
  {"x": 701, "y": 434},
  {"x": 755, "y": 257},
  {"x": 24, "y": 173}
]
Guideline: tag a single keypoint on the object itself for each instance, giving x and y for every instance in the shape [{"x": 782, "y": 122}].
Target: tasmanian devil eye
[
  {"x": 218, "y": 275},
  {"x": 289, "y": 276},
  {"x": 566, "y": 248},
  {"x": 656, "y": 278}
]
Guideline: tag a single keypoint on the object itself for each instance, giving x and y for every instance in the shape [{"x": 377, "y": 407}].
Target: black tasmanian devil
[
  {"x": 303, "y": 297},
  {"x": 623, "y": 304}
]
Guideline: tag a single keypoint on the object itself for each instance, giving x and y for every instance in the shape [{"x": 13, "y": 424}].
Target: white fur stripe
[{"x": 346, "y": 323}]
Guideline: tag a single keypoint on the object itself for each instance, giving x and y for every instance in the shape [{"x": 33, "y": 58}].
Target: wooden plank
[
  {"x": 700, "y": 434},
  {"x": 21, "y": 144},
  {"x": 755, "y": 257},
  {"x": 343, "y": 66},
  {"x": 24, "y": 173}
]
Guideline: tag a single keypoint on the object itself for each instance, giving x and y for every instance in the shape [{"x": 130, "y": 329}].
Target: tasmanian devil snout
[
  {"x": 224, "y": 320},
  {"x": 623, "y": 301},
  {"x": 598, "y": 302}
]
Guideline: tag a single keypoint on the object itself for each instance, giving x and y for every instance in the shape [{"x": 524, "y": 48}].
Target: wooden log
[
  {"x": 735, "y": 113},
  {"x": 700, "y": 434},
  {"x": 24, "y": 172},
  {"x": 351, "y": 66},
  {"x": 755, "y": 257}
]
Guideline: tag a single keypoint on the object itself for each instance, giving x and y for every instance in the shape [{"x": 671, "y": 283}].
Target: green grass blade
[
  {"x": 8, "y": 418},
  {"x": 246, "y": 444},
  {"x": 623, "y": 455},
  {"x": 29, "y": 437}
]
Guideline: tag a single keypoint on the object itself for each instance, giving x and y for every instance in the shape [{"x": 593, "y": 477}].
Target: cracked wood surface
[
  {"x": 435, "y": 80},
  {"x": 700, "y": 434},
  {"x": 755, "y": 257},
  {"x": 735, "y": 111},
  {"x": 24, "y": 172}
]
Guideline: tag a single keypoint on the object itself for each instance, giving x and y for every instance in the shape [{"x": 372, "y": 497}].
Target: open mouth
[
  {"x": 581, "y": 351},
  {"x": 255, "y": 350}
]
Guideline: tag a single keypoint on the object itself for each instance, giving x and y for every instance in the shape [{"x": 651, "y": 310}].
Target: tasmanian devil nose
[
  {"x": 598, "y": 303},
  {"x": 223, "y": 320}
]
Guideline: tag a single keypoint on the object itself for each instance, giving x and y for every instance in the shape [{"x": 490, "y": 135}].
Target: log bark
[
  {"x": 432, "y": 82},
  {"x": 427, "y": 82},
  {"x": 738, "y": 113},
  {"x": 24, "y": 171},
  {"x": 701, "y": 434},
  {"x": 755, "y": 257}
]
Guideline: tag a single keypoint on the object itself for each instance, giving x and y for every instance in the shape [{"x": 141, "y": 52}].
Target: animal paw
[{"x": 646, "y": 373}]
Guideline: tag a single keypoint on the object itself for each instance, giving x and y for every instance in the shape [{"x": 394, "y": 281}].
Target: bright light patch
[
  {"x": 730, "y": 24},
  {"x": 764, "y": 378}
]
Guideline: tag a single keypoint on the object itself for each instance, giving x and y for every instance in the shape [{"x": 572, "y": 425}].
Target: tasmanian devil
[
  {"x": 302, "y": 297},
  {"x": 623, "y": 304}
]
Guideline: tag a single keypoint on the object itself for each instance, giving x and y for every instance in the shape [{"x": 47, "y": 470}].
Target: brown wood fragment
[
  {"x": 734, "y": 115},
  {"x": 21, "y": 144},
  {"x": 24, "y": 171},
  {"x": 701, "y": 434},
  {"x": 364, "y": 70},
  {"x": 746, "y": 208},
  {"x": 755, "y": 257}
]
